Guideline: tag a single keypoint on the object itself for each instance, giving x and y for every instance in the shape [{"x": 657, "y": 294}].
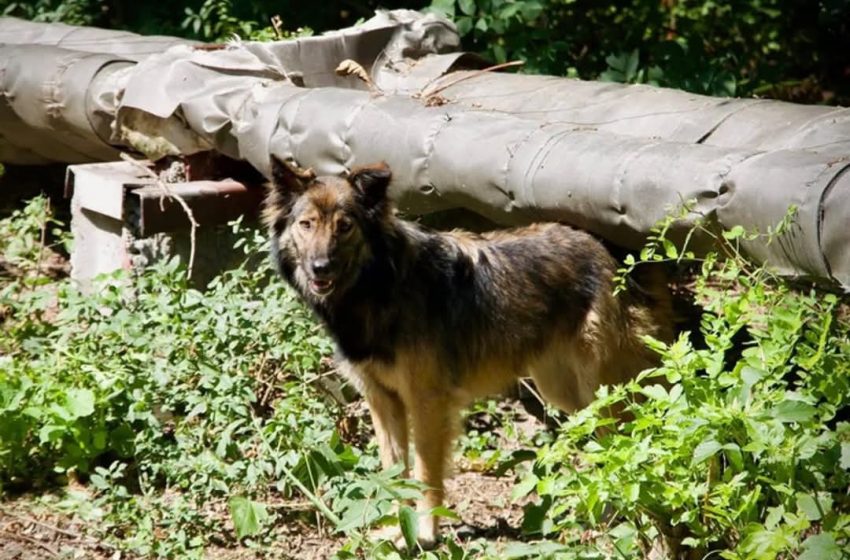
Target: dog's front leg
[
  {"x": 433, "y": 424},
  {"x": 390, "y": 420}
]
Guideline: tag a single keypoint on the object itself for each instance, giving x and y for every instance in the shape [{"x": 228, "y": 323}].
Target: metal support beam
[
  {"x": 122, "y": 218},
  {"x": 211, "y": 202}
]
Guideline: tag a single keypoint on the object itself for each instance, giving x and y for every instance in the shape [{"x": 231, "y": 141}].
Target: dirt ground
[
  {"x": 34, "y": 527},
  {"x": 31, "y": 529}
]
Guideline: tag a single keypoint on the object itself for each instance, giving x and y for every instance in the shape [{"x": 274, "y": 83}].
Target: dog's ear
[
  {"x": 371, "y": 182},
  {"x": 289, "y": 179},
  {"x": 287, "y": 184}
]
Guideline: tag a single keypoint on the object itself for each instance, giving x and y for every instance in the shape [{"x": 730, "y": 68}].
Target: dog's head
[{"x": 318, "y": 225}]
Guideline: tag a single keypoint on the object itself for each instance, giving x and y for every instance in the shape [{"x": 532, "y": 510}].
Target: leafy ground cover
[
  {"x": 163, "y": 421},
  {"x": 149, "y": 419}
]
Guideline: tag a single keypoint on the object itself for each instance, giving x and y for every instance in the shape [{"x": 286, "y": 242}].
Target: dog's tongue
[{"x": 322, "y": 284}]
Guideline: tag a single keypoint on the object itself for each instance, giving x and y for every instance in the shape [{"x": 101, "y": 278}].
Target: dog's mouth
[{"x": 321, "y": 287}]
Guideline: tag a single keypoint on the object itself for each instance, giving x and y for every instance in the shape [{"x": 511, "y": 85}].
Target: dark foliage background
[{"x": 797, "y": 50}]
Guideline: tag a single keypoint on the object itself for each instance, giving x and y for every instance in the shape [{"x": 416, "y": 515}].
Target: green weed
[
  {"x": 175, "y": 404},
  {"x": 196, "y": 419},
  {"x": 738, "y": 445}
]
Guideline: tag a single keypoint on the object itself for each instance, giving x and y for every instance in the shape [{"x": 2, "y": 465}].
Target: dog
[{"x": 425, "y": 321}]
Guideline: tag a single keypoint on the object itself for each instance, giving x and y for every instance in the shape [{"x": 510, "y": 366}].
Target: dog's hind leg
[{"x": 389, "y": 418}]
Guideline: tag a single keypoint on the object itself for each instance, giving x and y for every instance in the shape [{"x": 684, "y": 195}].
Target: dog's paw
[
  {"x": 428, "y": 534},
  {"x": 426, "y": 539}
]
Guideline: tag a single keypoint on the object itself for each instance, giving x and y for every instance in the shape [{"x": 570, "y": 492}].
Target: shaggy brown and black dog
[{"x": 425, "y": 321}]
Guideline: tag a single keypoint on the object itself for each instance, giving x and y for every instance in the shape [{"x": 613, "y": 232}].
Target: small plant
[
  {"x": 24, "y": 235},
  {"x": 73, "y": 12},
  {"x": 215, "y": 21},
  {"x": 759, "y": 47},
  {"x": 176, "y": 405},
  {"x": 196, "y": 418},
  {"x": 736, "y": 446}
]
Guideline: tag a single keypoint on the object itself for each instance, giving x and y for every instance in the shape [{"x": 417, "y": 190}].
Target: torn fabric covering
[
  {"x": 123, "y": 44},
  {"x": 59, "y": 87},
  {"x": 652, "y": 112},
  {"x": 518, "y": 171},
  {"x": 609, "y": 158},
  {"x": 48, "y": 112}
]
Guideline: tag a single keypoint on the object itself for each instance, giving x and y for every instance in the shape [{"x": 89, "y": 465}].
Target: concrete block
[{"x": 122, "y": 218}]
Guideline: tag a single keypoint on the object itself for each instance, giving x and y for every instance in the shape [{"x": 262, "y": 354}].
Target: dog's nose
[{"x": 321, "y": 266}]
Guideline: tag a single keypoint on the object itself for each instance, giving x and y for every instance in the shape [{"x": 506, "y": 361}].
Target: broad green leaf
[
  {"x": 733, "y": 453},
  {"x": 624, "y": 538},
  {"x": 794, "y": 411},
  {"x": 670, "y": 249},
  {"x": 547, "y": 485},
  {"x": 464, "y": 25},
  {"x": 655, "y": 392},
  {"x": 248, "y": 516},
  {"x": 544, "y": 549},
  {"x": 443, "y": 511},
  {"x": 510, "y": 10},
  {"x": 531, "y": 10},
  {"x": 632, "y": 492},
  {"x": 734, "y": 233},
  {"x": 408, "y": 521},
  {"x": 445, "y": 7},
  {"x": 50, "y": 432},
  {"x": 357, "y": 513},
  {"x": 533, "y": 517},
  {"x": 632, "y": 65},
  {"x": 99, "y": 482},
  {"x": 708, "y": 448},
  {"x": 820, "y": 547},
  {"x": 467, "y": 7},
  {"x": 774, "y": 516},
  {"x": 749, "y": 376},
  {"x": 813, "y": 506},
  {"x": 79, "y": 402},
  {"x": 524, "y": 487},
  {"x": 500, "y": 53}
]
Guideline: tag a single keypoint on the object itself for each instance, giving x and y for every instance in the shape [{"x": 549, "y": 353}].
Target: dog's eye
[
  {"x": 344, "y": 226},
  {"x": 305, "y": 224}
]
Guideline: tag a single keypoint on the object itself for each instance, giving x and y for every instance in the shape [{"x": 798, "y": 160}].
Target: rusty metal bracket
[{"x": 151, "y": 210}]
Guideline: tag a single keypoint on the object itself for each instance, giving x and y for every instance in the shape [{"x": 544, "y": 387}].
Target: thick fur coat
[{"x": 426, "y": 321}]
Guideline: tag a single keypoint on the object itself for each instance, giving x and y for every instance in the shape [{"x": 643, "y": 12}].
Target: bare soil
[{"x": 32, "y": 530}]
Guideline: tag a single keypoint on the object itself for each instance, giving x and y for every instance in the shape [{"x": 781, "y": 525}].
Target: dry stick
[
  {"x": 292, "y": 505},
  {"x": 80, "y": 537},
  {"x": 473, "y": 75},
  {"x": 537, "y": 396},
  {"x": 171, "y": 195},
  {"x": 36, "y": 542},
  {"x": 269, "y": 384},
  {"x": 23, "y": 519},
  {"x": 277, "y": 26}
]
